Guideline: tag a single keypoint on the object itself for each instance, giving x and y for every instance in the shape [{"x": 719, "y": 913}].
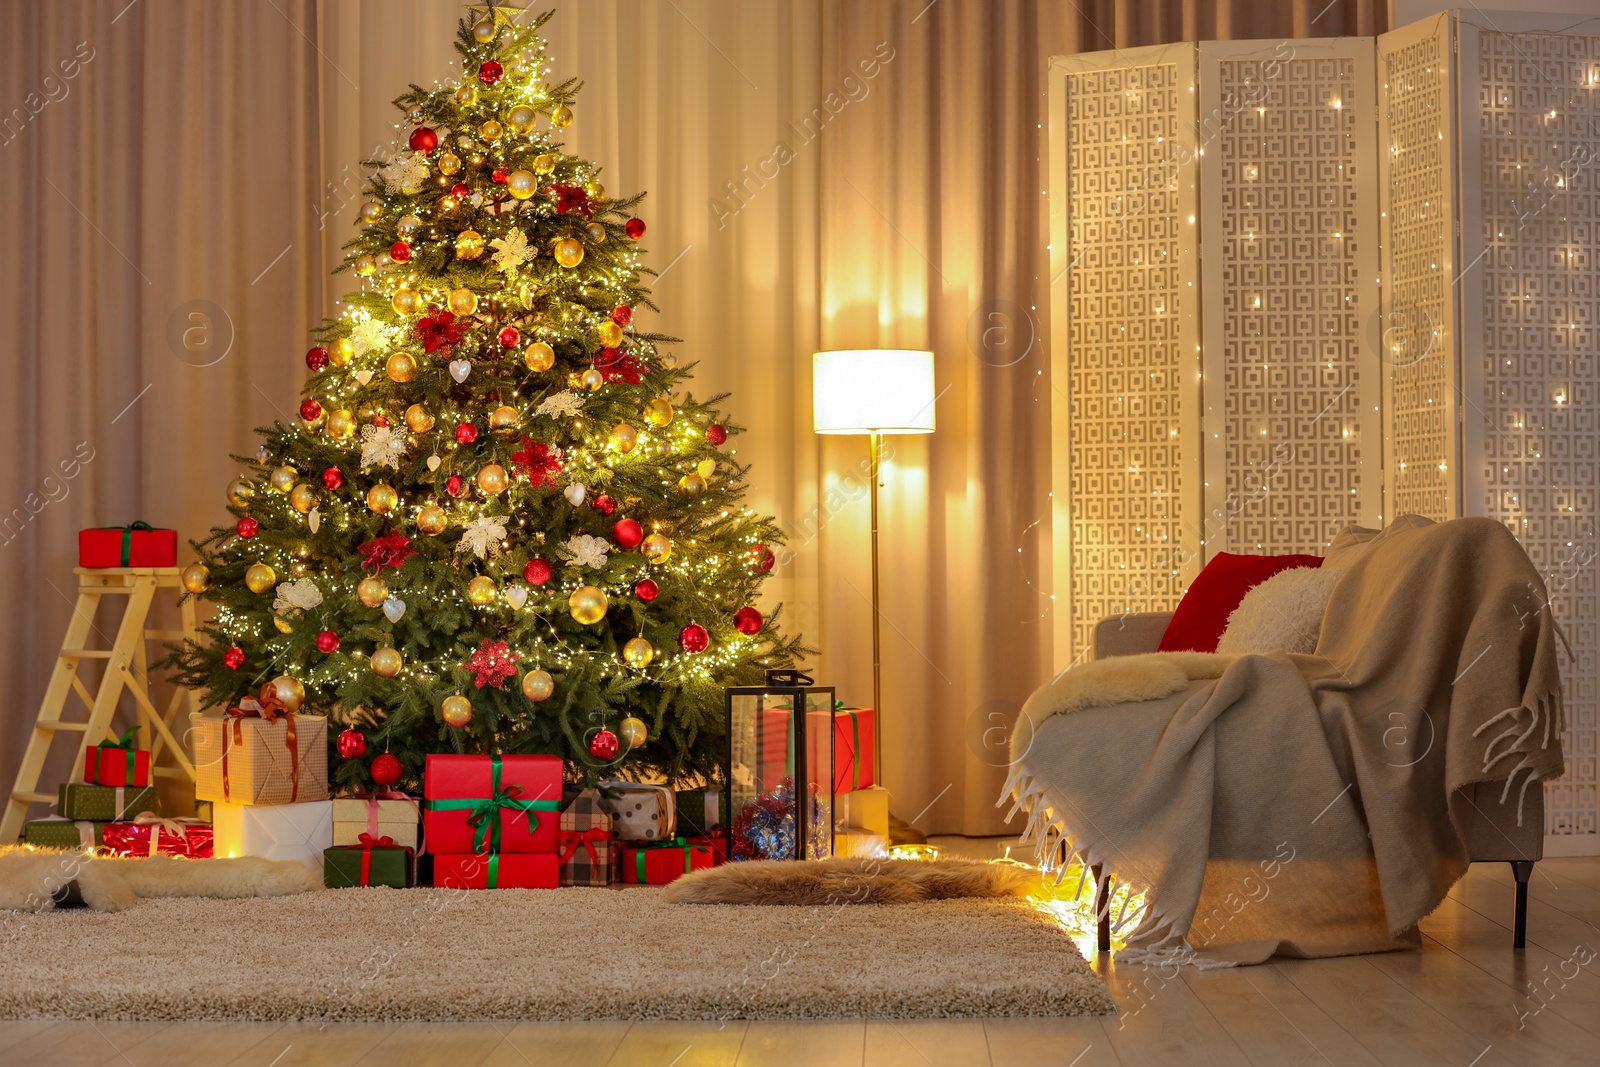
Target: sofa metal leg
[
  {"x": 1521, "y": 870},
  {"x": 1102, "y": 908}
]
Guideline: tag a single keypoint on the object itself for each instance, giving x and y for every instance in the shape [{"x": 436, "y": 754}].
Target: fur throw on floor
[
  {"x": 34, "y": 879},
  {"x": 861, "y": 880}
]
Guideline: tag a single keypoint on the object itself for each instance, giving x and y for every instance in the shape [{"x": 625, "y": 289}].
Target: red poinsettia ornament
[
  {"x": 437, "y": 330},
  {"x": 390, "y": 550},
  {"x": 570, "y": 199},
  {"x": 492, "y": 664},
  {"x": 537, "y": 461}
]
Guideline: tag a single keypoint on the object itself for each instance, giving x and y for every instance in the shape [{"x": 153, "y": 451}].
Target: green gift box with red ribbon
[
  {"x": 117, "y": 762},
  {"x": 665, "y": 862},
  {"x": 370, "y": 861},
  {"x": 137, "y": 544}
]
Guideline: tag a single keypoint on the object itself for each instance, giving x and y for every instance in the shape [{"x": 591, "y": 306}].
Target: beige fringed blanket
[{"x": 1307, "y": 805}]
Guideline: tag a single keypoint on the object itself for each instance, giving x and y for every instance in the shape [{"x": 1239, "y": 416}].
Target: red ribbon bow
[
  {"x": 571, "y": 839},
  {"x": 268, "y": 708}
]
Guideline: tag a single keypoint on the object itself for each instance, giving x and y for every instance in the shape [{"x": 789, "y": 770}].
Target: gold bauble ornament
[
  {"x": 341, "y": 423},
  {"x": 371, "y": 211},
  {"x": 638, "y": 652},
  {"x": 283, "y": 625},
  {"x": 561, "y": 117},
  {"x": 539, "y": 356},
  {"x": 386, "y": 662},
  {"x": 456, "y": 711},
  {"x": 341, "y": 352},
  {"x": 544, "y": 164},
  {"x": 632, "y": 732},
  {"x": 469, "y": 244},
  {"x": 240, "y": 492},
  {"x": 372, "y": 592},
  {"x": 303, "y": 498},
  {"x": 504, "y": 417},
  {"x": 658, "y": 412},
  {"x": 418, "y": 419},
  {"x": 382, "y": 498},
  {"x": 588, "y": 604},
  {"x": 408, "y": 225},
  {"x": 656, "y": 548},
  {"x": 463, "y": 301},
  {"x": 482, "y": 591},
  {"x": 483, "y": 30},
  {"x": 196, "y": 578},
  {"x": 492, "y": 479},
  {"x": 490, "y": 131},
  {"x": 610, "y": 334},
  {"x": 521, "y": 118},
  {"x": 431, "y": 520},
  {"x": 624, "y": 437},
  {"x": 290, "y": 693},
  {"x": 706, "y": 468},
  {"x": 591, "y": 379},
  {"x": 594, "y": 190},
  {"x": 449, "y": 163},
  {"x": 401, "y": 367},
  {"x": 568, "y": 251},
  {"x": 467, "y": 95},
  {"x": 692, "y": 484},
  {"x": 365, "y": 265},
  {"x": 596, "y": 232},
  {"x": 259, "y": 578},
  {"x": 537, "y": 685},
  {"x": 522, "y": 184},
  {"x": 406, "y": 301},
  {"x": 282, "y": 479}
]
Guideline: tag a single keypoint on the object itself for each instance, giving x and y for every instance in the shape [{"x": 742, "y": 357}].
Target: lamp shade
[{"x": 872, "y": 390}]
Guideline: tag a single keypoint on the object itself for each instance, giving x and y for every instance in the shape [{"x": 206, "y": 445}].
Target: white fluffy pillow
[{"x": 1282, "y": 614}]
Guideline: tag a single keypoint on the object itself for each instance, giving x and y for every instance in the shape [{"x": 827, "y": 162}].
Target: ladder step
[
  {"x": 168, "y": 772},
  {"x": 34, "y": 798},
  {"x": 165, "y": 635},
  {"x": 57, "y": 724},
  {"x": 86, "y": 653}
]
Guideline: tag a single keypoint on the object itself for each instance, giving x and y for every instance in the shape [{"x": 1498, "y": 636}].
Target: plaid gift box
[
  {"x": 103, "y": 803},
  {"x": 585, "y": 838}
]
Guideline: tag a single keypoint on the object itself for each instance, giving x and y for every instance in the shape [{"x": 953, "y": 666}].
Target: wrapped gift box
[
  {"x": 717, "y": 843},
  {"x": 663, "y": 863},
  {"x": 585, "y": 840},
  {"x": 516, "y": 799},
  {"x": 134, "y": 545},
  {"x": 699, "y": 811},
  {"x": 55, "y": 831},
  {"x": 375, "y": 861},
  {"x": 640, "y": 812},
  {"x": 853, "y": 749},
  {"x": 392, "y": 815},
  {"x": 249, "y": 760},
  {"x": 104, "y": 803},
  {"x": 501, "y": 870},
  {"x": 852, "y": 841},
  {"x": 149, "y": 835},
  {"x": 117, "y": 764},
  {"x": 863, "y": 809},
  {"x": 277, "y": 831}
]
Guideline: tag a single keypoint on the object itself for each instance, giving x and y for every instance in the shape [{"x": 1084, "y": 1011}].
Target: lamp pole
[{"x": 900, "y": 831}]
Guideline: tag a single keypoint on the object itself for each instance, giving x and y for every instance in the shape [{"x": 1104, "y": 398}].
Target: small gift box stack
[
  {"x": 662, "y": 835},
  {"x": 860, "y": 805},
  {"x": 492, "y": 821},
  {"x": 265, "y": 769},
  {"x": 376, "y": 842}
]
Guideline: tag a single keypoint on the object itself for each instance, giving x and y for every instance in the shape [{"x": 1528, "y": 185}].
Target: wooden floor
[{"x": 1465, "y": 1000}]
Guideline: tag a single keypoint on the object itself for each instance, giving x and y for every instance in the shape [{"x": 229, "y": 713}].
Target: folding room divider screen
[{"x": 1297, "y": 284}]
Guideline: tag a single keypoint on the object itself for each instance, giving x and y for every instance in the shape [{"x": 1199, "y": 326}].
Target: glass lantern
[{"x": 780, "y": 769}]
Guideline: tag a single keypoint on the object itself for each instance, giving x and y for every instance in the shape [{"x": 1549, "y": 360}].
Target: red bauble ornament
[
  {"x": 603, "y": 745},
  {"x": 509, "y": 337},
  {"x": 423, "y": 140},
  {"x": 628, "y": 533},
  {"x": 233, "y": 658},
  {"x": 717, "y": 434},
  {"x": 333, "y": 478},
  {"x": 317, "y": 358},
  {"x": 246, "y": 527},
  {"x": 500, "y": 176},
  {"x": 400, "y": 251},
  {"x": 386, "y": 770},
  {"x": 646, "y": 589},
  {"x": 327, "y": 642},
  {"x": 747, "y": 621},
  {"x": 460, "y": 191},
  {"x": 466, "y": 433},
  {"x": 352, "y": 743},
  {"x": 694, "y": 638},
  {"x": 603, "y": 504},
  {"x": 310, "y": 410},
  {"x": 634, "y": 228},
  {"x": 761, "y": 556},
  {"x": 622, "y": 315},
  {"x": 489, "y": 72},
  {"x": 379, "y": 420},
  {"x": 454, "y": 485},
  {"x": 537, "y": 572}
]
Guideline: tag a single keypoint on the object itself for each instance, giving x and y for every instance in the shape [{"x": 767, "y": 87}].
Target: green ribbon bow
[
  {"x": 676, "y": 842},
  {"x": 485, "y": 817},
  {"x": 125, "y": 742},
  {"x": 127, "y": 537}
]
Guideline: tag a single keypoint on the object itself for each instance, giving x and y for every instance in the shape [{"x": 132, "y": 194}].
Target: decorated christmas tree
[{"x": 499, "y": 524}]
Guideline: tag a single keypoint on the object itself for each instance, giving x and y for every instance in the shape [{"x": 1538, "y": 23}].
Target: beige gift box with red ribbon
[{"x": 246, "y": 760}]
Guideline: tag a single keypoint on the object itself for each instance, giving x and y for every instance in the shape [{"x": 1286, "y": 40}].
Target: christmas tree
[{"x": 499, "y": 524}]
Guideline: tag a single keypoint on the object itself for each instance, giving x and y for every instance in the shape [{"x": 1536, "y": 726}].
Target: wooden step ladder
[{"x": 127, "y": 668}]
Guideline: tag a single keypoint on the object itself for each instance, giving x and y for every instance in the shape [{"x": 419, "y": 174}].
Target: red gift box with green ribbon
[
  {"x": 117, "y": 762},
  {"x": 663, "y": 863},
  {"x": 853, "y": 749},
  {"x": 137, "y": 544},
  {"x": 491, "y": 804},
  {"x": 509, "y": 870}
]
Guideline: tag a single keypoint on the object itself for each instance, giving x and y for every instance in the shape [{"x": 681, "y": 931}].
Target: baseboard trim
[{"x": 1571, "y": 845}]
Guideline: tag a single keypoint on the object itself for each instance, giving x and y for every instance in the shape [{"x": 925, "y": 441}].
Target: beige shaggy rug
[{"x": 437, "y": 954}]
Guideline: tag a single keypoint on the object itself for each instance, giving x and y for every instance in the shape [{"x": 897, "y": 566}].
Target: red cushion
[{"x": 1203, "y": 612}]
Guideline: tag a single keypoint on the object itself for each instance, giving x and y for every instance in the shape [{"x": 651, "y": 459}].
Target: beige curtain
[{"x": 178, "y": 179}]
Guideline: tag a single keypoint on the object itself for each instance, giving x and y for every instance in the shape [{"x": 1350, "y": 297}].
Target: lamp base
[{"x": 903, "y": 833}]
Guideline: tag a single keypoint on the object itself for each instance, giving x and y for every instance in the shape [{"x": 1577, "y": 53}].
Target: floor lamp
[{"x": 874, "y": 391}]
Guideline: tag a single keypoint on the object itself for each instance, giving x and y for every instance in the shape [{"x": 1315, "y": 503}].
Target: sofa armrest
[{"x": 1130, "y": 634}]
